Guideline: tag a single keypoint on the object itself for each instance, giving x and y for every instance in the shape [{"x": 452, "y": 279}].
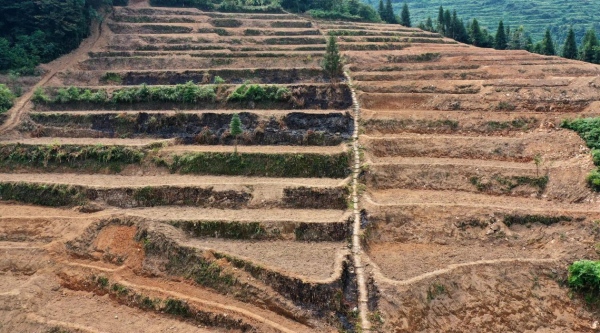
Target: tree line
[
  {"x": 450, "y": 25},
  {"x": 37, "y": 31}
]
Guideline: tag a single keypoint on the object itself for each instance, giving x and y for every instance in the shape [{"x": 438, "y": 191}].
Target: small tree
[
  {"x": 570, "y": 48},
  {"x": 332, "y": 63},
  {"x": 405, "y": 16},
  {"x": 235, "y": 127}
]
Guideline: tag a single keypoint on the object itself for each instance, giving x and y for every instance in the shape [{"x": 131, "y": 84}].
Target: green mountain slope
[{"x": 535, "y": 15}]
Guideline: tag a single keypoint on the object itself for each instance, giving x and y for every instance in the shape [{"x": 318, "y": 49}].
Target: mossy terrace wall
[
  {"x": 299, "y": 231},
  {"x": 51, "y": 158},
  {"x": 60, "y": 195},
  {"x": 294, "y": 128},
  {"x": 336, "y": 96}
]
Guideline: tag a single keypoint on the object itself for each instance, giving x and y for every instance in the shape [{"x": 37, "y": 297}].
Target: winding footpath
[{"x": 363, "y": 297}]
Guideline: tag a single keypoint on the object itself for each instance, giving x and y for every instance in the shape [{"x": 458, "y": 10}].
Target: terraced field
[{"x": 127, "y": 207}]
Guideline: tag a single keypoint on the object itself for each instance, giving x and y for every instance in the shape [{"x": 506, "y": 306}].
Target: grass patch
[
  {"x": 515, "y": 124},
  {"x": 265, "y": 165}
]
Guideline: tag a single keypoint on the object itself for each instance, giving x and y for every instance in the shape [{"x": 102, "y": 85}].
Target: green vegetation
[
  {"x": 570, "y": 47},
  {"x": 589, "y": 130},
  {"x": 36, "y": 31},
  {"x": 435, "y": 290},
  {"x": 182, "y": 93},
  {"x": 55, "y": 195},
  {"x": 92, "y": 157},
  {"x": 260, "y": 164},
  {"x": 252, "y": 6},
  {"x": 405, "y": 16},
  {"x": 535, "y": 16},
  {"x": 347, "y": 10},
  {"x": 223, "y": 229},
  {"x": 529, "y": 219},
  {"x": 584, "y": 277},
  {"x": 332, "y": 62},
  {"x": 7, "y": 98},
  {"x": 257, "y": 93},
  {"x": 235, "y": 128}
]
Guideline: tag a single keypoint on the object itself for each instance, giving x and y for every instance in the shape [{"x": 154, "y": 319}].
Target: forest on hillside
[
  {"x": 38, "y": 31},
  {"x": 536, "y": 16}
]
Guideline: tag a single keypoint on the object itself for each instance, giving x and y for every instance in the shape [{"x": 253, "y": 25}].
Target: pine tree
[
  {"x": 500, "y": 39},
  {"x": 235, "y": 128},
  {"x": 389, "y": 13},
  {"x": 382, "y": 11},
  {"x": 589, "y": 46},
  {"x": 332, "y": 62},
  {"x": 570, "y": 48},
  {"x": 548, "y": 44},
  {"x": 448, "y": 23},
  {"x": 441, "y": 24},
  {"x": 405, "y": 16},
  {"x": 476, "y": 34}
]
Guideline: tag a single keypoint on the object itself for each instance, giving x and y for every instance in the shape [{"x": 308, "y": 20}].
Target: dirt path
[
  {"x": 116, "y": 181},
  {"x": 326, "y": 150},
  {"x": 56, "y": 66}
]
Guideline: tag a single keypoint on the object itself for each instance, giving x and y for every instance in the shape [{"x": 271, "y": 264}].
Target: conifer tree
[
  {"x": 429, "y": 24},
  {"x": 235, "y": 128},
  {"x": 382, "y": 11},
  {"x": 500, "y": 39},
  {"x": 389, "y": 13},
  {"x": 441, "y": 24},
  {"x": 589, "y": 47},
  {"x": 570, "y": 48},
  {"x": 405, "y": 16},
  {"x": 332, "y": 62},
  {"x": 547, "y": 47},
  {"x": 476, "y": 34}
]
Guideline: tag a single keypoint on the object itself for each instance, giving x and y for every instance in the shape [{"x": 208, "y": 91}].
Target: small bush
[
  {"x": 594, "y": 180},
  {"x": 7, "y": 98},
  {"x": 584, "y": 277}
]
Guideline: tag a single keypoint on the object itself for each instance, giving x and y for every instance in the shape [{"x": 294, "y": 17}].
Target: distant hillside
[{"x": 535, "y": 15}]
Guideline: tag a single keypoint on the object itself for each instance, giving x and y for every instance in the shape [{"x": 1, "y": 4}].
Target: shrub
[
  {"x": 258, "y": 93},
  {"x": 54, "y": 195},
  {"x": 584, "y": 277},
  {"x": 594, "y": 180},
  {"x": 7, "y": 98}
]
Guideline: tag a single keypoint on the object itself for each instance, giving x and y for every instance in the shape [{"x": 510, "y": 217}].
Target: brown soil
[{"x": 452, "y": 243}]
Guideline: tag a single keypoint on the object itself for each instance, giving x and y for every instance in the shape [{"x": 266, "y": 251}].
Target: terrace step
[{"x": 425, "y": 198}]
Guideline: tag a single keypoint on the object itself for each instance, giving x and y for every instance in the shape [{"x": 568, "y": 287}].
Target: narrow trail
[
  {"x": 363, "y": 297},
  {"x": 381, "y": 277},
  {"x": 62, "y": 324},
  {"x": 16, "y": 112}
]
